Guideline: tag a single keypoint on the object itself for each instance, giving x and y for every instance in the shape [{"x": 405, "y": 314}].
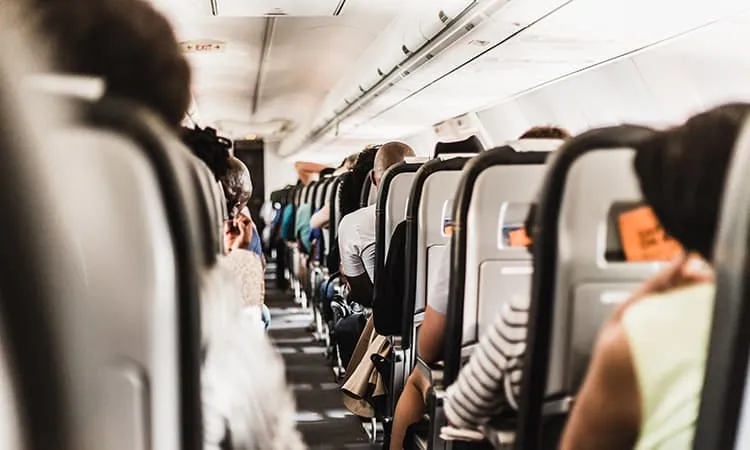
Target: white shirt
[
  {"x": 437, "y": 294},
  {"x": 357, "y": 242}
]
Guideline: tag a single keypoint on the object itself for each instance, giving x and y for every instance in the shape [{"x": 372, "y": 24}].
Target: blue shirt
[
  {"x": 287, "y": 223},
  {"x": 256, "y": 246},
  {"x": 302, "y": 225}
]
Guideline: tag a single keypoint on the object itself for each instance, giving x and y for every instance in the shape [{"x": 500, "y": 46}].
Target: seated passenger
[
  {"x": 302, "y": 227},
  {"x": 321, "y": 217},
  {"x": 245, "y": 264},
  {"x": 288, "y": 215},
  {"x": 644, "y": 382},
  {"x": 213, "y": 150},
  {"x": 411, "y": 404},
  {"x": 239, "y": 233},
  {"x": 127, "y": 43},
  {"x": 357, "y": 229},
  {"x": 545, "y": 132}
]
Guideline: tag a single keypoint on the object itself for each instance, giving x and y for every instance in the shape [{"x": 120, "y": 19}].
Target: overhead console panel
[{"x": 276, "y": 8}]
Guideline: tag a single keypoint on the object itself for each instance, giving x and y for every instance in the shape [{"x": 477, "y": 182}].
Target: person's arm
[
  {"x": 430, "y": 345},
  {"x": 321, "y": 218},
  {"x": 478, "y": 393},
  {"x": 607, "y": 410},
  {"x": 352, "y": 266},
  {"x": 240, "y": 237}
]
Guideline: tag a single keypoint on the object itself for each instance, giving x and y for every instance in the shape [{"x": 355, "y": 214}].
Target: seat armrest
[
  {"x": 433, "y": 373},
  {"x": 500, "y": 439},
  {"x": 435, "y": 399}
]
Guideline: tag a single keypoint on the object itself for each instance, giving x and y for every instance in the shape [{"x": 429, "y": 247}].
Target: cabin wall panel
[{"x": 660, "y": 86}]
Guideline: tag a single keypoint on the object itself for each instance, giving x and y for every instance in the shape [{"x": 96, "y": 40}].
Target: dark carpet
[{"x": 321, "y": 417}]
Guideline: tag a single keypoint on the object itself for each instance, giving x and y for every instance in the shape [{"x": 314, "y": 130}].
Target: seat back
[
  {"x": 304, "y": 194},
  {"x": 372, "y": 197},
  {"x": 117, "y": 256},
  {"x": 574, "y": 287},
  {"x": 132, "y": 279},
  {"x": 494, "y": 194},
  {"x": 312, "y": 193},
  {"x": 185, "y": 213},
  {"x": 336, "y": 205},
  {"x": 470, "y": 145},
  {"x": 211, "y": 206},
  {"x": 433, "y": 187},
  {"x": 38, "y": 303},
  {"x": 723, "y": 420},
  {"x": 367, "y": 193},
  {"x": 330, "y": 233},
  {"x": 298, "y": 195},
  {"x": 320, "y": 194},
  {"x": 390, "y": 208}
]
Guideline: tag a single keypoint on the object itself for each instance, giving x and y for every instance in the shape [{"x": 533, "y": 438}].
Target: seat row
[{"x": 583, "y": 263}]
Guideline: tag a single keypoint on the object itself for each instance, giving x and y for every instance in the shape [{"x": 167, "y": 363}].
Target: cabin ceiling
[
  {"x": 308, "y": 52},
  {"x": 314, "y": 59}
]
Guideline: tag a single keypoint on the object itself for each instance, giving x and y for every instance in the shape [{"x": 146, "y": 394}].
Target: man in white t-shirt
[{"x": 357, "y": 230}]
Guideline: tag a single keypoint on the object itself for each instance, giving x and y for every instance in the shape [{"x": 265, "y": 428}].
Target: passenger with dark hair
[
  {"x": 644, "y": 382},
  {"x": 351, "y": 186},
  {"x": 321, "y": 218},
  {"x": 210, "y": 148},
  {"x": 347, "y": 164},
  {"x": 127, "y": 43},
  {"x": 356, "y": 236},
  {"x": 234, "y": 177},
  {"x": 546, "y": 132}
]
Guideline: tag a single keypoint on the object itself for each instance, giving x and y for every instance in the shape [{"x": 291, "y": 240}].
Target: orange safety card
[
  {"x": 519, "y": 238},
  {"x": 643, "y": 238}
]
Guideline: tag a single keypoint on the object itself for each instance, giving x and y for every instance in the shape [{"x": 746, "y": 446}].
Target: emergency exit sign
[{"x": 203, "y": 46}]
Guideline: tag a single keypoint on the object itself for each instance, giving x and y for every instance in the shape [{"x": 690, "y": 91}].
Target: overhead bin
[{"x": 395, "y": 60}]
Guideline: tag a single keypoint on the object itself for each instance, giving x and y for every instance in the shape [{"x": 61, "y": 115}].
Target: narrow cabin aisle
[{"x": 321, "y": 416}]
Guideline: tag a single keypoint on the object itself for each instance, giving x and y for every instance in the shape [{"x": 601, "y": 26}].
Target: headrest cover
[
  {"x": 84, "y": 87},
  {"x": 535, "y": 145},
  {"x": 472, "y": 145}
]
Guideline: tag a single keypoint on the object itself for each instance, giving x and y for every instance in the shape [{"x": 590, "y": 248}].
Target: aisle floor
[{"x": 321, "y": 417}]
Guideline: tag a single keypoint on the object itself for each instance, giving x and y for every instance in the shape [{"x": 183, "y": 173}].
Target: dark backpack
[{"x": 388, "y": 296}]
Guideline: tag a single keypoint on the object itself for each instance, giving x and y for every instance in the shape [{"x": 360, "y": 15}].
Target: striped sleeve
[{"x": 490, "y": 379}]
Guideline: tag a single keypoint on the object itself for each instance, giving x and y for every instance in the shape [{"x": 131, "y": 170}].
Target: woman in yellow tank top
[{"x": 643, "y": 386}]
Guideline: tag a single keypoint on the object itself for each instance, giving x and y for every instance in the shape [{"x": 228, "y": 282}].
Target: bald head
[{"x": 388, "y": 155}]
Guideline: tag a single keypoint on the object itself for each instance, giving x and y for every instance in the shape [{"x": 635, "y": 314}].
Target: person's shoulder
[
  {"x": 358, "y": 217},
  {"x": 367, "y": 216},
  {"x": 665, "y": 306},
  {"x": 612, "y": 353}
]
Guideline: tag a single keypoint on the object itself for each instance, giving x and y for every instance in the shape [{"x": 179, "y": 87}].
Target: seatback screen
[
  {"x": 635, "y": 235},
  {"x": 512, "y": 232}
]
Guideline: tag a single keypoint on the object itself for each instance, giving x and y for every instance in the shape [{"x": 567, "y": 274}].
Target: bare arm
[
  {"x": 431, "y": 336},
  {"x": 607, "y": 410},
  {"x": 320, "y": 219}
]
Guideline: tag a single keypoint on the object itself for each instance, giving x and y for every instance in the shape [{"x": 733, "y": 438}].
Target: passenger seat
[{"x": 575, "y": 287}]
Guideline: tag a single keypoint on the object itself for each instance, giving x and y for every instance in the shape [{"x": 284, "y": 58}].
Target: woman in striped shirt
[{"x": 491, "y": 381}]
